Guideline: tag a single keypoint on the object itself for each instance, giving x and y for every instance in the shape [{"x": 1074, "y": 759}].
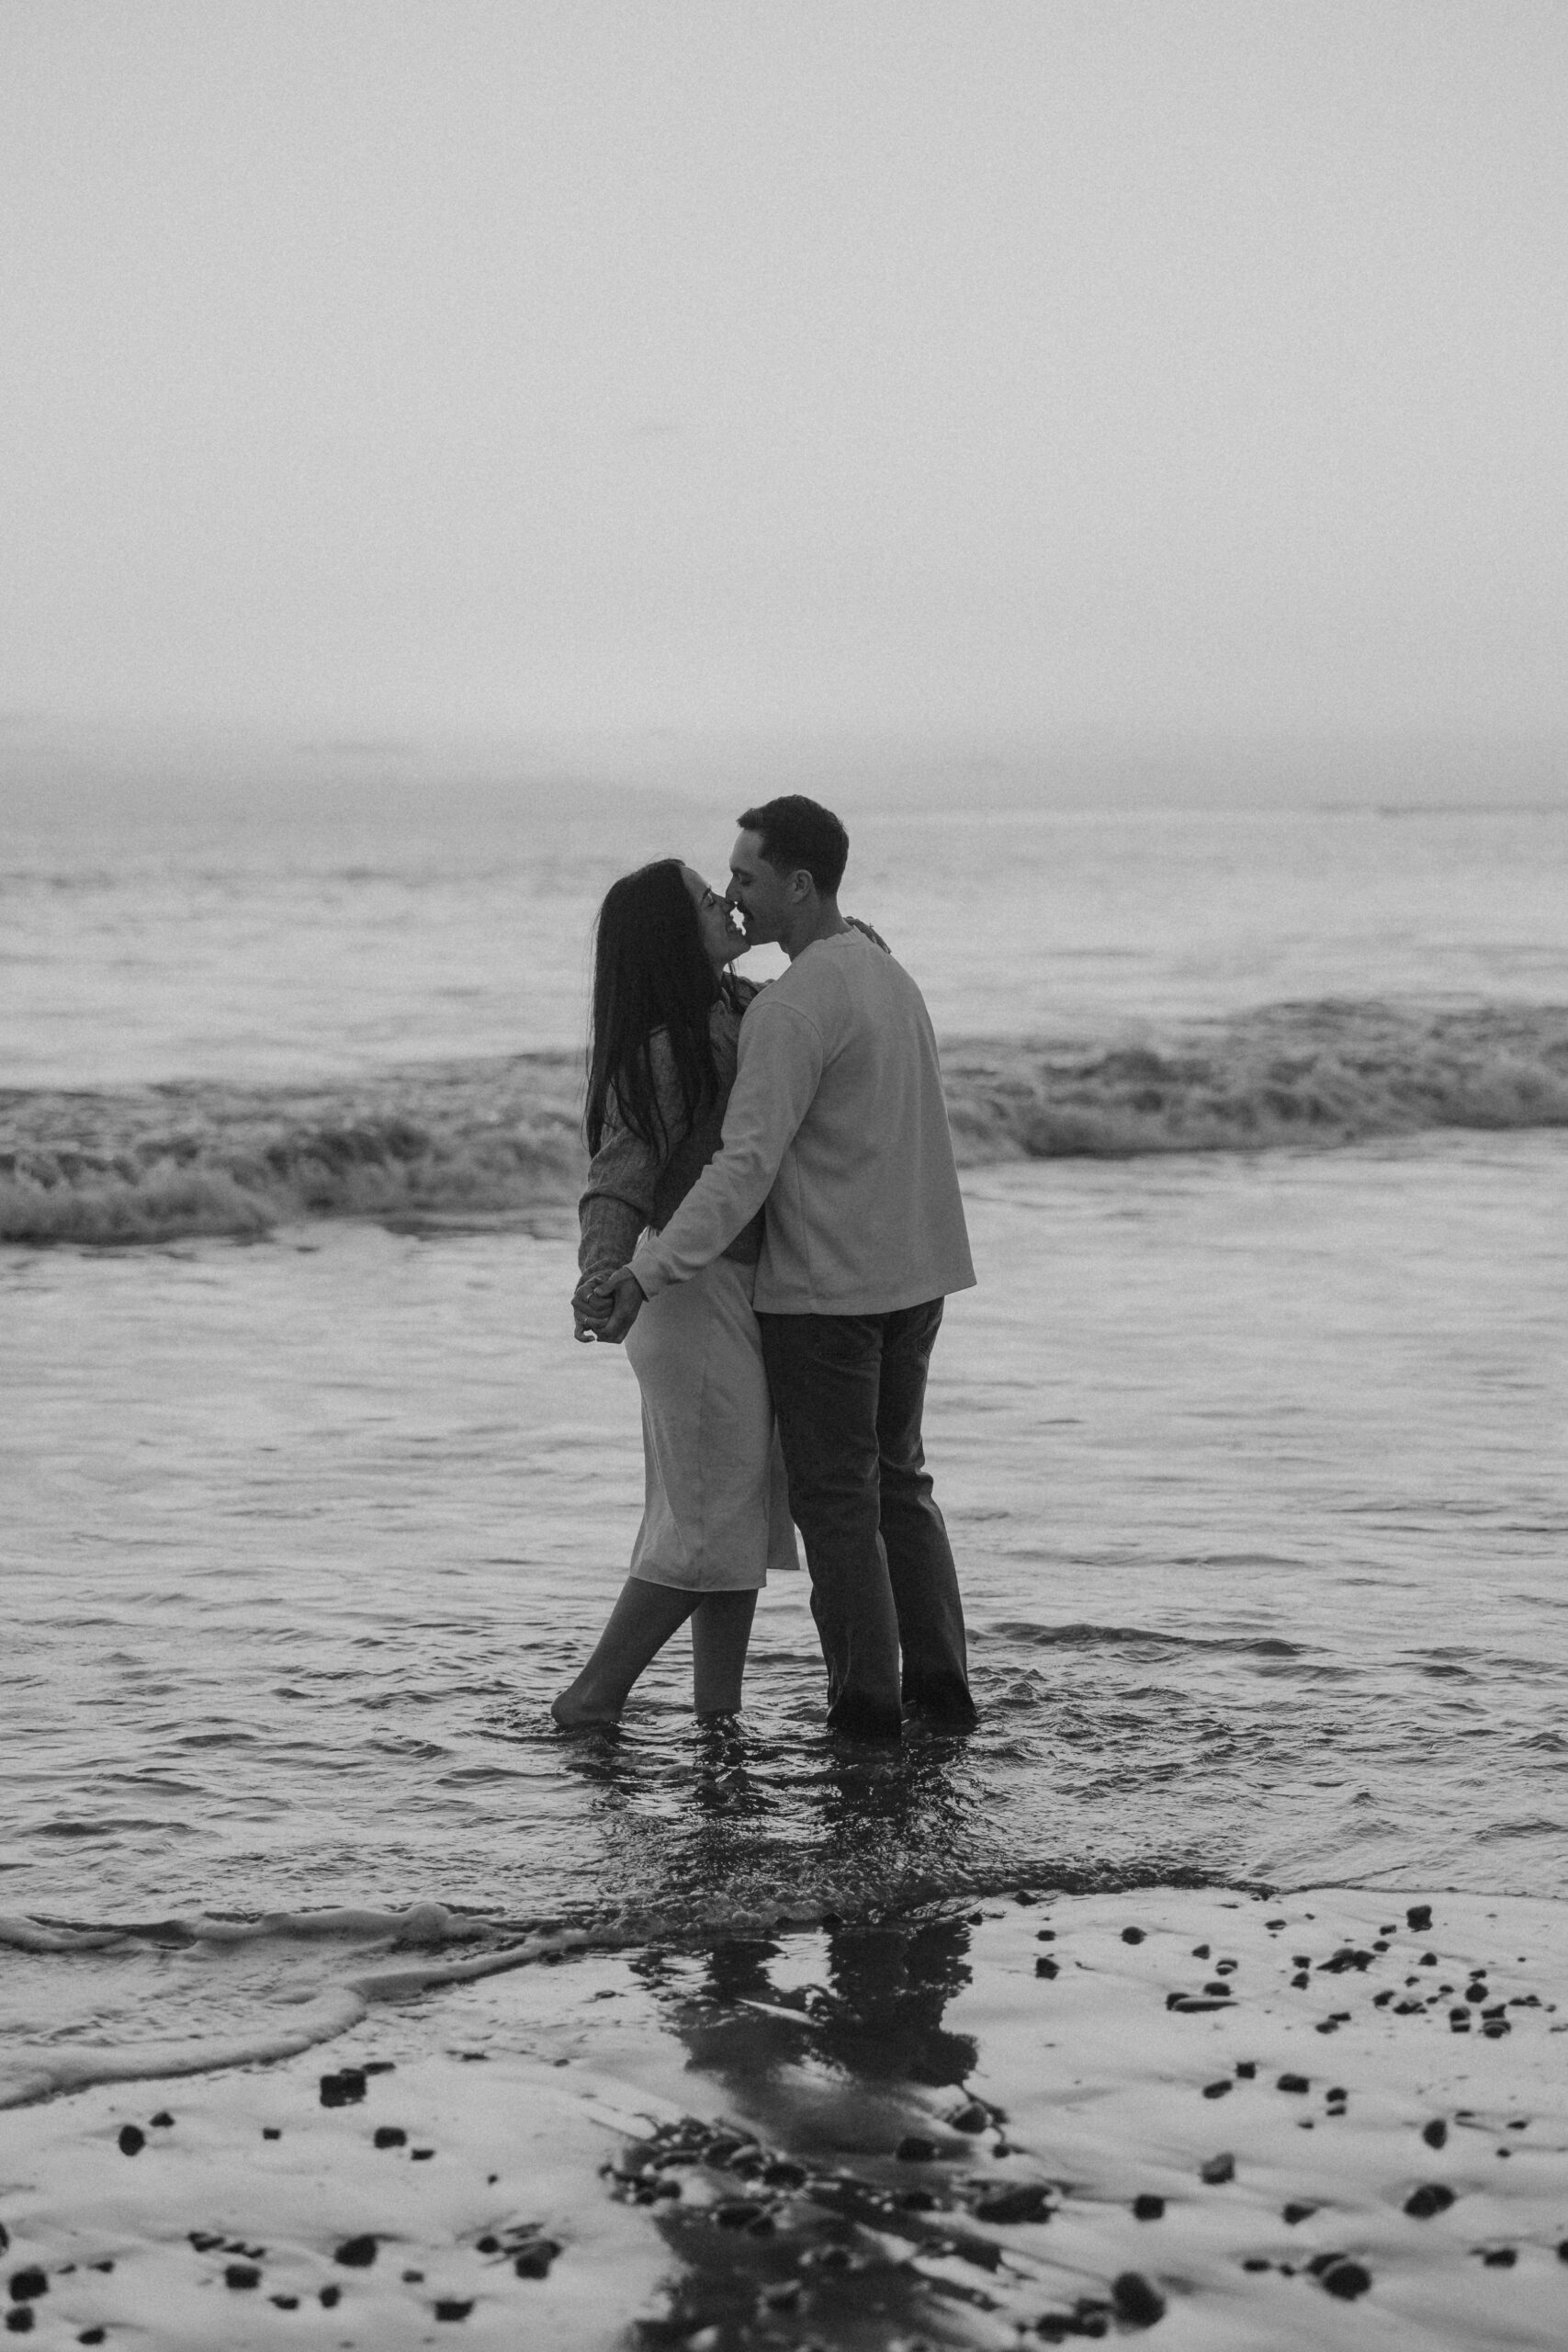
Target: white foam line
[{"x": 40, "y": 2072}]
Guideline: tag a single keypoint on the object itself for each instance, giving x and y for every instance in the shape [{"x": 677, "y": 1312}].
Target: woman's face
[{"x": 721, "y": 941}]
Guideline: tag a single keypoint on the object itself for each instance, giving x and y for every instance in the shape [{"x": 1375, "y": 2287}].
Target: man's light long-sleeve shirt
[{"x": 836, "y": 1121}]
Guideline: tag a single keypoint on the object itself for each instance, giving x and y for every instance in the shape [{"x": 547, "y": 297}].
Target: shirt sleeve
[{"x": 779, "y": 1071}]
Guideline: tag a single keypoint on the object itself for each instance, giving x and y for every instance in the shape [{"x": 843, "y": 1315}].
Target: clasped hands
[{"x": 606, "y": 1306}]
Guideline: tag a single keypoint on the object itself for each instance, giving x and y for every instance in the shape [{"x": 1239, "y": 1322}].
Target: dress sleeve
[{"x": 617, "y": 1200}]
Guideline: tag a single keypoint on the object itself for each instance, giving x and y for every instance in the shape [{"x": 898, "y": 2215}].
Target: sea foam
[{"x": 501, "y": 1137}]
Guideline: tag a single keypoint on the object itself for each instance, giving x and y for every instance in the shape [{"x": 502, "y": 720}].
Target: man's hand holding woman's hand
[{"x": 605, "y": 1308}]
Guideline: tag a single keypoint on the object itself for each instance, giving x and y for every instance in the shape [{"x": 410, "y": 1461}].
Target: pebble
[
  {"x": 1347, "y": 2279},
  {"x": 1027, "y": 2202},
  {"x": 26, "y": 2285},
  {"x": 1293, "y": 2083},
  {"x": 1148, "y": 2208},
  {"x": 1131, "y": 1934},
  {"x": 344, "y": 2088},
  {"x": 242, "y": 2274},
  {"x": 1137, "y": 2303},
  {"x": 356, "y": 2254},
  {"x": 1217, "y": 2170},
  {"x": 1432, "y": 2197},
  {"x": 131, "y": 2140}
]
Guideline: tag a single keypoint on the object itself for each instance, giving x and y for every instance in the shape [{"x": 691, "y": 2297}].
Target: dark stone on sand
[
  {"x": 1221, "y": 2089},
  {"x": 1246, "y": 2069},
  {"x": 284, "y": 2302},
  {"x": 389, "y": 2135},
  {"x": 1347, "y": 2279},
  {"x": 1431, "y": 2197},
  {"x": 421, "y": 2155},
  {"x": 28, "y": 2284},
  {"x": 94, "y": 2334},
  {"x": 204, "y": 2240},
  {"x": 973, "y": 2118},
  {"x": 1562, "y": 2249},
  {"x": 271, "y": 2131},
  {"x": 913, "y": 2150},
  {"x": 1024, "y": 2202},
  {"x": 1137, "y": 2303},
  {"x": 452, "y": 2310},
  {"x": 1272, "y": 1924},
  {"x": 242, "y": 2274},
  {"x": 1217, "y": 2170},
  {"x": 1300, "y": 1980},
  {"x": 1419, "y": 1915},
  {"x": 162, "y": 2121},
  {"x": 132, "y": 2141},
  {"x": 1436, "y": 2133},
  {"x": 1044, "y": 1935},
  {"x": 535, "y": 2260},
  {"x": 19, "y": 2318},
  {"x": 1045, "y": 1967},
  {"x": 1294, "y": 2213},
  {"x": 1148, "y": 2208},
  {"x": 1293, "y": 2083},
  {"x": 344, "y": 2088},
  {"x": 356, "y": 2254},
  {"x": 1257, "y": 2262},
  {"x": 412, "y": 2278},
  {"x": 108, "y": 2264},
  {"x": 1219, "y": 1986},
  {"x": 1131, "y": 1934},
  {"x": 330, "y": 2297},
  {"x": 487, "y": 2245},
  {"x": 389, "y": 2065},
  {"x": 1195, "y": 2005},
  {"x": 1500, "y": 2258}
]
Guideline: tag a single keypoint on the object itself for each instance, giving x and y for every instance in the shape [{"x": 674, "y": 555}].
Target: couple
[{"x": 783, "y": 1153}]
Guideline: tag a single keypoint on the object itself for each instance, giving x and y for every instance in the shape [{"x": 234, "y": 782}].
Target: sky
[{"x": 981, "y": 369}]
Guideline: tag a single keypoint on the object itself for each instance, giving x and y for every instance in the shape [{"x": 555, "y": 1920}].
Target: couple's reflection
[{"x": 746, "y": 1826}]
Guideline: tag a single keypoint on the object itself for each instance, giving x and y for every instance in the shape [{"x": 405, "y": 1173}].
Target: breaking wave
[{"x": 500, "y": 1138}]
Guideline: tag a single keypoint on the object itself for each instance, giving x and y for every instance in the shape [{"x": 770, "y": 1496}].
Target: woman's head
[{"x": 659, "y": 947}]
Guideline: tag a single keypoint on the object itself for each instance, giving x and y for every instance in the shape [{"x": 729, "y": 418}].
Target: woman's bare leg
[
  {"x": 721, "y": 1628},
  {"x": 644, "y": 1617}
]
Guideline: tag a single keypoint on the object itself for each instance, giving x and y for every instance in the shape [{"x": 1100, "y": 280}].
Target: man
[{"x": 836, "y": 1121}]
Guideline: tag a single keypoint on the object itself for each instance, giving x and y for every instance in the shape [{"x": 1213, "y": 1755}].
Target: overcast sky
[{"x": 1009, "y": 365}]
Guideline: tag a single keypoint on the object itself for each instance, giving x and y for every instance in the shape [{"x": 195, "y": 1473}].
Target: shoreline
[{"x": 1044, "y": 2113}]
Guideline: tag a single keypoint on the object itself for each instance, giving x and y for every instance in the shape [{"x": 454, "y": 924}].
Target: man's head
[{"x": 786, "y": 869}]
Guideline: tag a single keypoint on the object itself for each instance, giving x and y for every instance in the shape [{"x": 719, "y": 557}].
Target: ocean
[{"x": 1251, "y": 1437}]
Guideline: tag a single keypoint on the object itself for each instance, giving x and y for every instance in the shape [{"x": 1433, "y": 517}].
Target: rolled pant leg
[
  {"x": 914, "y": 1534},
  {"x": 824, "y": 1372}
]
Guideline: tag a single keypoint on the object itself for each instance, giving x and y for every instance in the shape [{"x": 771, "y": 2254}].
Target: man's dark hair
[{"x": 798, "y": 833}]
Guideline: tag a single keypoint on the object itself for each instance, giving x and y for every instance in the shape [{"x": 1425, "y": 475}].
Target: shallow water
[{"x": 1255, "y": 1470}]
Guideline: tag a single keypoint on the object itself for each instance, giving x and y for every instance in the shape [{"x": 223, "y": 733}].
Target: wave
[{"x": 500, "y": 1138}]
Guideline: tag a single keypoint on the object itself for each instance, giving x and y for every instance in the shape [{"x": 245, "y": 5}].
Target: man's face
[{"x": 758, "y": 891}]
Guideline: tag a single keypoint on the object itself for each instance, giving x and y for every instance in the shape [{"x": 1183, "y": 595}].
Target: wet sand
[{"x": 1218, "y": 2118}]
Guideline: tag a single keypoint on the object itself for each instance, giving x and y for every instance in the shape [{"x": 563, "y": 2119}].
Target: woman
[{"x": 666, "y": 1022}]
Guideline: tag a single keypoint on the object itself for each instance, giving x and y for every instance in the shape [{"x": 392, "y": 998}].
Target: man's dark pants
[{"x": 848, "y": 1393}]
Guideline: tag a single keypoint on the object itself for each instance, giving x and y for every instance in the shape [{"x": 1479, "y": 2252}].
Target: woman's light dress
[{"x": 716, "y": 1513}]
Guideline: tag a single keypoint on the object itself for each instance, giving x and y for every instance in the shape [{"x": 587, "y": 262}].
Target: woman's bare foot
[{"x": 574, "y": 1711}]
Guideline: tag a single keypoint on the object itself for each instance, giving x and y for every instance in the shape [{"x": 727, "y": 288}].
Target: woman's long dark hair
[{"x": 650, "y": 971}]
